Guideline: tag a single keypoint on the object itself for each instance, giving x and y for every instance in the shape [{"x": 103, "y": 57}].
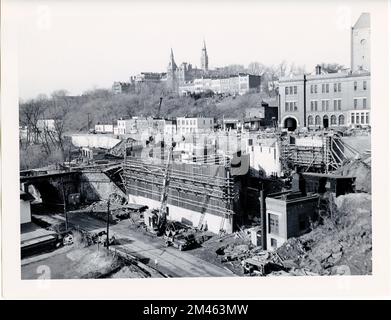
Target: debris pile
[
  {"x": 118, "y": 207},
  {"x": 341, "y": 245},
  {"x": 361, "y": 169}
]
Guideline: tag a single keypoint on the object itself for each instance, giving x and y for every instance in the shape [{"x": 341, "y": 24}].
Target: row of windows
[
  {"x": 325, "y": 105},
  {"x": 356, "y": 118},
  {"x": 291, "y": 90},
  {"x": 333, "y": 120},
  {"x": 192, "y": 122},
  {"x": 364, "y": 85},
  {"x": 337, "y": 105},
  {"x": 360, "y": 118},
  {"x": 290, "y": 106},
  {"x": 363, "y": 104},
  {"x": 337, "y": 87}
]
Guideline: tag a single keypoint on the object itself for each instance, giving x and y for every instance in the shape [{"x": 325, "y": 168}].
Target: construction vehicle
[{"x": 156, "y": 219}]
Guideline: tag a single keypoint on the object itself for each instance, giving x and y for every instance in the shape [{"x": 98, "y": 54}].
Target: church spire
[
  {"x": 204, "y": 58},
  {"x": 171, "y": 64}
]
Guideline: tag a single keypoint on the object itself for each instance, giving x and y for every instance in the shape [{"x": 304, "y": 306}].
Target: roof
[
  {"x": 364, "y": 21},
  {"x": 325, "y": 175}
]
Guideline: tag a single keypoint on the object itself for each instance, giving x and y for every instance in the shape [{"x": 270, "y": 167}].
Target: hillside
[{"x": 341, "y": 245}]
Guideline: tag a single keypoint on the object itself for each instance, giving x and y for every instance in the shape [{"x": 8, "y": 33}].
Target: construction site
[{"x": 222, "y": 203}]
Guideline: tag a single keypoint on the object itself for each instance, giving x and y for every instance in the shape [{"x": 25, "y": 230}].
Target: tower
[
  {"x": 360, "y": 43},
  {"x": 171, "y": 72},
  {"x": 171, "y": 64},
  {"x": 204, "y": 58}
]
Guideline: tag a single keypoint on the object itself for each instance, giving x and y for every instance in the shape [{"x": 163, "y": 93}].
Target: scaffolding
[
  {"x": 330, "y": 155},
  {"x": 200, "y": 187}
]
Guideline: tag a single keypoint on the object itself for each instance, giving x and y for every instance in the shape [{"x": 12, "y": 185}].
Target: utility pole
[
  {"x": 88, "y": 121},
  {"x": 108, "y": 223},
  {"x": 64, "y": 205}
]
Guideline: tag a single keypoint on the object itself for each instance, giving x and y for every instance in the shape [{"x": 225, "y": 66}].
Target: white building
[
  {"x": 264, "y": 157},
  {"x": 170, "y": 127},
  {"x": 104, "y": 128},
  {"x": 194, "y": 125},
  {"x": 46, "y": 124},
  {"x": 25, "y": 207}
]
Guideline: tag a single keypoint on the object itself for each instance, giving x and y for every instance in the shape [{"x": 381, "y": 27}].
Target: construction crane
[
  {"x": 162, "y": 213},
  {"x": 159, "y": 108}
]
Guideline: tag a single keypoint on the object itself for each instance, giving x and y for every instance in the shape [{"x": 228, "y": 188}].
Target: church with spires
[{"x": 185, "y": 72}]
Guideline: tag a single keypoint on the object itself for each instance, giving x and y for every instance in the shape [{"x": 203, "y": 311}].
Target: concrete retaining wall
[
  {"x": 98, "y": 186},
  {"x": 94, "y": 141},
  {"x": 175, "y": 213}
]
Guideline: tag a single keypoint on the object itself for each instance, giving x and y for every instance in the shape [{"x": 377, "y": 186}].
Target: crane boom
[
  {"x": 162, "y": 216},
  {"x": 160, "y": 106}
]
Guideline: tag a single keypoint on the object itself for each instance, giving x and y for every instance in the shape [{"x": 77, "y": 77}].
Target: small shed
[{"x": 321, "y": 183}]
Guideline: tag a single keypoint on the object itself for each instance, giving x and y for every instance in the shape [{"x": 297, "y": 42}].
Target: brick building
[{"x": 323, "y": 100}]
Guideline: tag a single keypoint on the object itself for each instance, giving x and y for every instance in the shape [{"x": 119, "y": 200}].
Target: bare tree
[{"x": 332, "y": 67}]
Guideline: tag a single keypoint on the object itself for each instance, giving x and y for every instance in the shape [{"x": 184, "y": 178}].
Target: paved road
[{"x": 151, "y": 250}]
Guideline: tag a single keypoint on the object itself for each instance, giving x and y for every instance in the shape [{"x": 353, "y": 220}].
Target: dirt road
[{"x": 152, "y": 251}]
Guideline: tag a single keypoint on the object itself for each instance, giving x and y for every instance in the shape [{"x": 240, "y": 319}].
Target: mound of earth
[
  {"x": 361, "y": 169},
  {"x": 341, "y": 245}
]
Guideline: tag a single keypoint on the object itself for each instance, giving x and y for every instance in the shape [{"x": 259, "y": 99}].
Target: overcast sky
[{"x": 81, "y": 45}]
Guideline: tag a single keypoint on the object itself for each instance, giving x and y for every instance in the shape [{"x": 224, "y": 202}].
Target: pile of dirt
[
  {"x": 341, "y": 245},
  {"x": 128, "y": 271},
  {"x": 94, "y": 264}
]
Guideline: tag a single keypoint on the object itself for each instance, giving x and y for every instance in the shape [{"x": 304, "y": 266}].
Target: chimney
[{"x": 318, "y": 69}]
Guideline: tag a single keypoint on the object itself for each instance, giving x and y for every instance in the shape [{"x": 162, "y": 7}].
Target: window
[
  {"x": 355, "y": 85},
  {"x": 295, "y": 89},
  {"x": 273, "y": 224},
  {"x": 335, "y": 87},
  {"x": 310, "y": 120},
  {"x": 316, "y": 88},
  {"x": 286, "y": 106},
  {"x": 364, "y": 85},
  {"x": 312, "y": 106},
  {"x": 339, "y": 105},
  {"x": 341, "y": 120},
  {"x": 352, "y": 118},
  {"x": 333, "y": 120},
  {"x": 312, "y": 88},
  {"x": 290, "y": 90},
  {"x": 355, "y": 103},
  {"x": 286, "y": 90},
  {"x": 323, "y": 105},
  {"x": 362, "y": 118},
  {"x": 204, "y": 121},
  {"x": 327, "y": 88},
  {"x": 295, "y": 106},
  {"x": 364, "y": 103},
  {"x": 316, "y": 105},
  {"x": 273, "y": 242},
  {"x": 327, "y": 105},
  {"x": 317, "y": 120},
  {"x": 339, "y": 87},
  {"x": 323, "y": 88},
  {"x": 357, "y": 118},
  {"x": 367, "y": 118}
]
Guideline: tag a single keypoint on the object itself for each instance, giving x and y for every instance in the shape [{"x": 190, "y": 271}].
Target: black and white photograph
[{"x": 172, "y": 139}]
